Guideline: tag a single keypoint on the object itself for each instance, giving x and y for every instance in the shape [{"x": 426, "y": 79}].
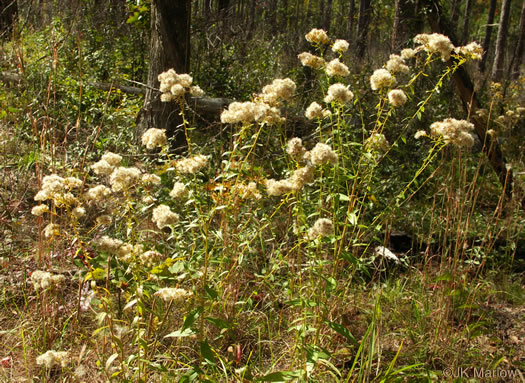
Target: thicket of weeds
[{"x": 258, "y": 255}]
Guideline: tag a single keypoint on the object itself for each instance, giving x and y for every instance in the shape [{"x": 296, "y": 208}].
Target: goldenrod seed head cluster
[
  {"x": 337, "y": 68},
  {"x": 297, "y": 180},
  {"x": 435, "y": 43},
  {"x": 340, "y": 46},
  {"x": 377, "y": 142},
  {"x": 457, "y": 132},
  {"x": 245, "y": 112},
  {"x": 396, "y": 64},
  {"x": 419, "y": 134},
  {"x": 295, "y": 148},
  {"x": 51, "y": 230},
  {"x": 317, "y": 36},
  {"x": 191, "y": 165},
  {"x": 112, "y": 158},
  {"x": 472, "y": 50},
  {"x": 322, "y": 227},
  {"x": 123, "y": 178},
  {"x": 78, "y": 212},
  {"x": 104, "y": 219},
  {"x": 151, "y": 179},
  {"x": 381, "y": 78},
  {"x": 408, "y": 53},
  {"x": 247, "y": 191},
  {"x": 277, "y": 188},
  {"x": 322, "y": 154},
  {"x": 279, "y": 89},
  {"x": 397, "y": 98},
  {"x": 53, "y": 358},
  {"x": 57, "y": 189},
  {"x": 174, "y": 86},
  {"x": 43, "y": 280},
  {"x": 163, "y": 216},
  {"x": 310, "y": 60},
  {"x": 314, "y": 111},
  {"x": 179, "y": 190},
  {"x": 169, "y": 294},
  {"x": 98, "y": 193},
  {"x": 102, "y": 168},
  {"x": 154, "y": 137},
  {"x": 39, "y": 210},
  {"x": 149, "y": 258},
  {"x": 339, "y": 93}
]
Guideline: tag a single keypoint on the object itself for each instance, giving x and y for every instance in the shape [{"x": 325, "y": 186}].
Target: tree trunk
[
  {"x": 350, "y": 24},
  {"x": 327, "y": 17},
  {"x": 488, "y": 35},
  {"x": 363, "y": 22},
  {"x": 169, "y": 48},
  {"x": 404, "y": 23},
  {"x": 454, "y": 12},
  {"x": 8, "y": 15},
  {"x": 501, "y": 42},
  {"x": 466, "y": 19},
  {"x": 518, "y": 53}
]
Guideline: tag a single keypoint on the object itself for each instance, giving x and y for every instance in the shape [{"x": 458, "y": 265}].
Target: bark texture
[
  {"x": 169, "y": 48},
  {"x": 488, "y": 35},
  {"x": 501, "y": 42},
  {"x": 518, "y": 53}
]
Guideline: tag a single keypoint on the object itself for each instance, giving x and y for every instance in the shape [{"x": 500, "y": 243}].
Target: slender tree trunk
[
  {"x": 363, "y": 22},
  {"x": 404, "y": 23},
  {"x": 466, "y": 19},
  {"x": 488, "y": 35},
  {"x": 251, "y": 21},
  {"x": 454, "y": 11},
  {"x": 518, "y": 53},
  {"x": 320, "y": 19},
  {"x": 350, "y": 23},
  {"x": 8, "y": 15},
  {"x": 327, "y": 17},
  {"x": 169, "y": 48},
  {"x": 501, "y": 42},
  {"x": 272, "y": 12}
]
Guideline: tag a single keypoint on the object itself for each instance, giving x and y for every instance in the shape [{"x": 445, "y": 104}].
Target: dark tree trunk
[
  {"x": 518, "y": 53},
  {"x": 363, "y": 22},
  {"x": 251, "y": 21},
  {"x": 8, "y": 15},
  {"x": 350, "y": 24},
  {"x": 488, "y": 35},
  {"x": 466, "y": 19},
  {"x": 272, "y": 12},
  {"x": 501, "y": 42},
  {"x": 454, "y": 12},
  {"x": 327, "y": 17},
  {"x": 169, "y": 48},
  {"x": 405, "y": 23}
]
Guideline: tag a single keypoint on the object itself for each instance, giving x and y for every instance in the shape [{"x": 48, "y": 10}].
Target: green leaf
[
  {"x": 211, "y": 292},
  {"x": 180, "y": 333},
  {"x": 110, "y": 360},
  {"x": 342, "y": 330},
  {"x": 281, "y": 376},
  {"x": 343, "y": 197},
  {"x": 207, "y": 353},
  {"x": 191, "y": 318},
  {"x": 220, "y": 323}
]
